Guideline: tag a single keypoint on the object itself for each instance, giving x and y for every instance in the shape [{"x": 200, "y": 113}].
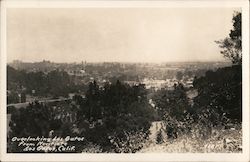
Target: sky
[{"x": 117, "y": 34}]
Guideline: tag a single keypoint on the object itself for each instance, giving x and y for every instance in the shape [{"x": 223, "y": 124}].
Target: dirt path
[
  {"x": 154, "y": 129},
  {"x": 151, "y": 145}
]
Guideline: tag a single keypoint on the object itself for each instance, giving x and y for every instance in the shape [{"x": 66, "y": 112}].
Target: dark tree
[
  {"x": 232, "y": 45},
  {"x": 221, "y": 91},
  {"x": 172, "y": 102},
  {"x": 37, "y": 120},
  {"x": 93, "y": 102},
  {"x": 115, "y": 112}
]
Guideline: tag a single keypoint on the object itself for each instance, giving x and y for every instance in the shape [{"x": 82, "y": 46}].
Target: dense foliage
[
  {"x": 221, "y": 91},
  {"x": 115, "y": 117},
  {"x": 172, "y": 102},
  {"x": 123, "y": 111},
  {"x": 41, "y": 120},
  {"x": 217, "y": 103},
  {"x": 55, "y": 83}
]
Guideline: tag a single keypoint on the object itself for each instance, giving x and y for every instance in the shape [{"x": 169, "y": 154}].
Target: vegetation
[
  {"x": 124, "y": 112},
  {"x": 221, "y": 91},
  {"x": 116, "y": 117},
  {"x": 173, "y": 102},
  {"x": 55, "y": 84},
  {"x": 232, "y": 45}
]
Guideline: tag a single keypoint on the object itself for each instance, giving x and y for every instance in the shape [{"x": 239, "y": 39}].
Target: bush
[{"x": 221, "y": 91}]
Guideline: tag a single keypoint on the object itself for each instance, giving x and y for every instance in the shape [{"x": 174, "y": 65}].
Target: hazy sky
[{"x": 117, "y": 34}]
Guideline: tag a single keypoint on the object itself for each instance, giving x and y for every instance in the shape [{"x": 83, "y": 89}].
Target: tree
[
  {"x": 39, "y": 120},
  {"x": 179, "y": 75},
  {"x": 221, "y": 91},
  {"x": 232, "y": 45},
  {"x": 35, "y": 120},
  {"x": 172, "y": 102},
  {"x": 93, "y": 101},
  {"x": 124, "y": 113},
  {"x": 58, "y": 83}
]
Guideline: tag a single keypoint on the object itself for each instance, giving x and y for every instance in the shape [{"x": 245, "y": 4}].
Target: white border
[
  {"x": 244, "y": 4},
  {"x": 121, "y": 3}
]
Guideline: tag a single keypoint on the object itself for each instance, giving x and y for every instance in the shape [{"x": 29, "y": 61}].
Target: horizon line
[{"x": 127, "y": 62}]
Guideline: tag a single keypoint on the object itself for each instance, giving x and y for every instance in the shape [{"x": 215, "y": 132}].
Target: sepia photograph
[{"x": 121, "y": 79}]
